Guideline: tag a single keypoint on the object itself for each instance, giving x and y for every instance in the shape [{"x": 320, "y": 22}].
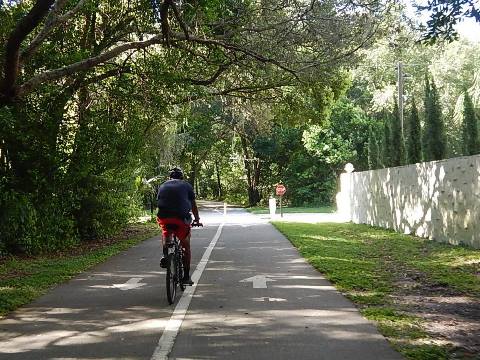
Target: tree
[
  {"x": 251, "y": 120},
  {"x": 445, "y": 14},
  {"x": 387, "y": 141},
  {"x": 85, "y": 84},
  {"x": 198, "y": 134},
  {"x": 452, "y": 65},
  {"x": 222, "y": 35},
  {"x": 352, "y": 124},
  {"x": 470, "y": 130},
  {"x": 434, "y": 146},
  {"x": 415, "y": 138},
  {"x": 373, "y": 151}
]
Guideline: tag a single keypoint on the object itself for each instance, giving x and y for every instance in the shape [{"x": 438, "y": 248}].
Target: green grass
[
  {"x": 259, "y": 210},
  {"x": 364, "y": 263},
  {"x": 24, "y": 279}
]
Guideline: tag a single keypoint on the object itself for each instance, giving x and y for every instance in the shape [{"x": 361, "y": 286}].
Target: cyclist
[{"x": 175, "y": 200}]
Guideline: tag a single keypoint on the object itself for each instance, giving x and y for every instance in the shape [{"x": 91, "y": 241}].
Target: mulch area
[
  {"x": 88, "y": 246},
  {"x": 449, "y": 317}
]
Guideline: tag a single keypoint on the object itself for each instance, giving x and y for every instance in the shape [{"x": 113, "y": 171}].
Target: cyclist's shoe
[
  {"x": 163, "y": 262},
  {"x": 187, "y": 281}
]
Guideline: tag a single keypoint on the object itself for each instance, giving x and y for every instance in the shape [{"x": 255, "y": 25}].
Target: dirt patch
[{"x": 449, "y": 317}]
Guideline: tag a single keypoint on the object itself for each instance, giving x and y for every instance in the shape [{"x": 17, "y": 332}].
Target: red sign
[{"x": 280, "y": 190}]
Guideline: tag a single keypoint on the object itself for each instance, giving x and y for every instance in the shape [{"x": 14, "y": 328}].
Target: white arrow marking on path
[
  {"x": 133, "y": 283},
  {"x": 269, "y": 299},
  {"x": 259, "y": 281}
]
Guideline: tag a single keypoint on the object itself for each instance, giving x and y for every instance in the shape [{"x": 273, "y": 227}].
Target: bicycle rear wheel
[{"x": 171, "y": 278}]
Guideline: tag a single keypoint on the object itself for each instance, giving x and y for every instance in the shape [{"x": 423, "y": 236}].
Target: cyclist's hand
[{"x": 197, "y": 223}]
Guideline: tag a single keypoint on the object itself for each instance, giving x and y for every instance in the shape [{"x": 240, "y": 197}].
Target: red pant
[{"x": 182, "y": 231}]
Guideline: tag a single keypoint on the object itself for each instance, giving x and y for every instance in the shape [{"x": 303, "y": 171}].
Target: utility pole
[{"x": 400, "y": 79}]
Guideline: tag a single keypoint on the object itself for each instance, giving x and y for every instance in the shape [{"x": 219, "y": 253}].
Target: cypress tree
[
  {"x": 387, "y": 143},
  {"x": 426, "y": 106},
  {"x": 398, "y": 140},
  {"x": 434, "y": 135},
  {"x": 373, "y": 151},
  {"x": 470, "y": 130},
  {"x": 414, "y": 138}
]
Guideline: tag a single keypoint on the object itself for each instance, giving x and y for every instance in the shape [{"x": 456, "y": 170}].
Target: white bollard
[
  {"x": 272, "y": 204},
  {"x": 224, "y": 209}
]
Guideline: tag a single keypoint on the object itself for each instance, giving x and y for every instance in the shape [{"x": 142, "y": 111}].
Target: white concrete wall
[{"x": 438, "y": 200}]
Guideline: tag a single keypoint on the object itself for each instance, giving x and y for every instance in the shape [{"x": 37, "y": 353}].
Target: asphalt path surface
[{"x": 256, "y": 298}]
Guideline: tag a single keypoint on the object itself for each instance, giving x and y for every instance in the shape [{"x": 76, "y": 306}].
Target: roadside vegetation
[
  {"x": 98, "y": 99},
  {"x": 394, "y": 279},
  {"x": 22, "y": 279},
  {"x": 292, "y": 209}
]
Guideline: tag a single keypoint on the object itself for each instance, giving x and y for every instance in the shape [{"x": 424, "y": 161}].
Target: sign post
[{"x": 280, "y": 190}]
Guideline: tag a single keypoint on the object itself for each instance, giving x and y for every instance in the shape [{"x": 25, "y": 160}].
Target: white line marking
[{"x": 165, "y": 344}]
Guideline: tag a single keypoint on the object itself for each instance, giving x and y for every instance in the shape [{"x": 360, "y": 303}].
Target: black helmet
[{"x": 176, "y": 173}]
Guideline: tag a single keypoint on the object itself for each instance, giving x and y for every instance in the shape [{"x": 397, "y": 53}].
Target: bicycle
[{"x": 174, "y": 274}]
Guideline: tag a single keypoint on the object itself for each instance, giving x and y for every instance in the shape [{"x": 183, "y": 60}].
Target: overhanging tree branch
[
  {"x": 237, "y": 91},
  {"x": 55, "y": 74},
  {"x": 180, "y": 20},
  {"x": 221, "y": 69},
  {"x": 53, "y": 20},
  {"x": 236, "y": 48},
  {"x": 11, "y": 89},
  {"x": 24, "y": 27},
  {"x": 86, "y": 64}
]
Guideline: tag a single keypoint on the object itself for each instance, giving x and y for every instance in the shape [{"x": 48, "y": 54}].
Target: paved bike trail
[
  {"x": 91, "y": 317},
  {"x": 298, "y": 315}
]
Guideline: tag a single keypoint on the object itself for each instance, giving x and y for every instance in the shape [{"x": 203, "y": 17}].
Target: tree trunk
[
  {"x": 219, "y": 184},
  {"x": 192, "y": 174},
  {"x": 152, "y": 202},
  {"x": 3, "y": 158},
  {"x": 196, "y": 186},
  {"x": 256, "y": 177},
  {"x": 25, "y": 26},
  {"x": 253, "y": 175}
]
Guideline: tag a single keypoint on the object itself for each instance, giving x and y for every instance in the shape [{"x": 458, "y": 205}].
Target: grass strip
[
  {"x": 365, "y": 263},
  {"x": 260, "y": 210},
  {"x": 25, "y": 279}
]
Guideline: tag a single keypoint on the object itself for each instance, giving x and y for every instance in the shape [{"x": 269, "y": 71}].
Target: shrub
[
  {"x": 18, "y": 219},
  {"x": 31, "y": 228}
]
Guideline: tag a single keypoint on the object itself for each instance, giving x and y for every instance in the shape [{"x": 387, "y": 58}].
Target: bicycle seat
[{"x": 172, "y": 227}]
